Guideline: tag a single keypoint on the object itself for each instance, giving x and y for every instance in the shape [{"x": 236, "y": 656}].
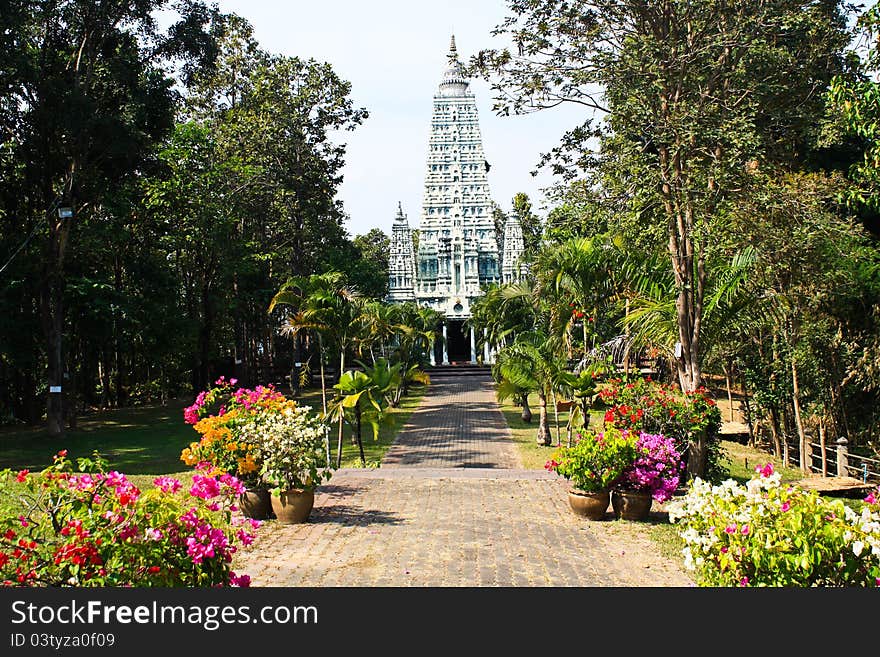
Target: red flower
[
  {"x": 154, "y": 569},
  {"x": 609, "y": 415},
  {"x": 22, "y": 475}
]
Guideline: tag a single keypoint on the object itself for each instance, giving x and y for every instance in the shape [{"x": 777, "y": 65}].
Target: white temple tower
[
  {"x": 458, "y": 250},
  {"x": 511, "y": 268},
  {"x": 401, "y": 263}
]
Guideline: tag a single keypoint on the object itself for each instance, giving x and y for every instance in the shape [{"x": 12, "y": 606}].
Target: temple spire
[{"x": 453, "y": 51}]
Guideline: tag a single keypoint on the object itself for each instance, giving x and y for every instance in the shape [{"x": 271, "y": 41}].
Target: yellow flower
[
  {"x": 247, "y": 464},
  {"x": 188, "y": 457}
]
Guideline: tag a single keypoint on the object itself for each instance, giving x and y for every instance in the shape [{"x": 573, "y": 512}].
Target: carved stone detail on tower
[
  {"x": 401, "y": 261},
  {"x": 511, "y": 267}
]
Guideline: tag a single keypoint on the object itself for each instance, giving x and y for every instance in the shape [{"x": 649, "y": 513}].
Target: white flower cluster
[
  {"x": 290, "y": 444},
  {"x": 726, "y": 524}
]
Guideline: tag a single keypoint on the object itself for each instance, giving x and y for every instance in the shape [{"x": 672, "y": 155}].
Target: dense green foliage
[
  {"x": 201, "y": 172},
  {"x": 703, "y": 219}
]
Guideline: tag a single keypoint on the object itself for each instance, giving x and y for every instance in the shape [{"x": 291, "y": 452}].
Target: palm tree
[
  {"x": 415, "y": 330},
  {"x": 728, "y": 300},
  {"x": 501, "y": 313},
  {"x": 577, "y": 280},
  {"x": 531, "y": 363},
  {"x": 377, "y": 329},
  {"x": 325, "y": 305},
  {"x": 364, "y": 396}
]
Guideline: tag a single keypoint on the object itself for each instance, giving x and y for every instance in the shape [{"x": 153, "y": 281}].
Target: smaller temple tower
[
  {"x": 401, "y": 261},
  {"x": 511, "y": 267}
]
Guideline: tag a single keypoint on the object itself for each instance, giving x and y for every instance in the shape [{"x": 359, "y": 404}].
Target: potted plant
[
  {"x": 294, "y": 461},
  {"x": 229, "y": 421},
  {"x": 593, "y": 464},
  {"x": 653, "y": 475}
]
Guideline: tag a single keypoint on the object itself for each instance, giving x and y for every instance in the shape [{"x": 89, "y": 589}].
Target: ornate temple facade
[{"x": 457, "y": 250}]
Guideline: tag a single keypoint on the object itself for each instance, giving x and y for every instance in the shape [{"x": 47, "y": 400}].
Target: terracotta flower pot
[
  {"x": 589, "y": 505},
  {"x": 255, "y": 503},
  {"x": 293, "y": 506},
  {"x": 631, "y": 505}
]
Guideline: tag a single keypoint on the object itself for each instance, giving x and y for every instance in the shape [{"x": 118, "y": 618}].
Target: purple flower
[{"x": 656, "y": 468}]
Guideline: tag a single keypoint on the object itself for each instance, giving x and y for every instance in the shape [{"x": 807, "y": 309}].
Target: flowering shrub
[
  {"x": 646, "y": 405},
  {"x": 655, "y": 468},
  {"x": 291, "y": 443},
  {"x": 224, "y": 416},
  {"x": 596, "y": 460},
  {"x": 767, "y": 534},
  {"x": 96, "y": 528}
]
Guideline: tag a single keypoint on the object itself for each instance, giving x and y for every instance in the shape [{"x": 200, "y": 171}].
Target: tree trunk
[
  {"x": 339, "y": 442},
  {"x": 822, "y": 446},
  {"x": 748, "y": 413},
  {"x": 802, "y": 436},
  {"x": 543, "y": 436},
  {"x": 526, "y": 411},
  {"x": 323, "y": 381},
  {"x": 728, "y": 373},
  {"x": 698, "y": 455},
  {"x": 556, "y": 418},
  {"x": 357, "y": 414},
  {"x": 774, "y": 432}
]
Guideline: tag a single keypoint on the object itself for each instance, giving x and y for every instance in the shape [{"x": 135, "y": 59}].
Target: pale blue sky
[{"x": 394, "y": 54}]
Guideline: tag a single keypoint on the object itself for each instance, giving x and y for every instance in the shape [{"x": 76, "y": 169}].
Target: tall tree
[
  {"x": 85, "y": 96},
  {"x": 692, "y": 95}
]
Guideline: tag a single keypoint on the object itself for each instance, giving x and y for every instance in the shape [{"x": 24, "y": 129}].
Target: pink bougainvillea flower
[
  {"x": 870, "y": 499},
  {"x": 744, "y": 581},
  {"x": 239, "y": 580},
  {"x": 766, "y": 470},
  {"x": 745, "y": 530},
  {"x": 785, "y": 507},
  {"x": 205, "y": 487},
  {"x": 167, "y": 484},
  {"x": 730, "y": 529},
  {"x": 23, "y": 521}
]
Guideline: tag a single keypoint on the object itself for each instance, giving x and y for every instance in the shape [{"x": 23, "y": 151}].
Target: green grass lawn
[{"x": 146, "y": 440}]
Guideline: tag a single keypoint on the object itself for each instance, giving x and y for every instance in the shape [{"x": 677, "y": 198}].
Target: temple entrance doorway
[{"x": 457, "y": 342}]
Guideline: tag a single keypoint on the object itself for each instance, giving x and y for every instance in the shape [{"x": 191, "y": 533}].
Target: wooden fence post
[{"x": 842, "y": 460}]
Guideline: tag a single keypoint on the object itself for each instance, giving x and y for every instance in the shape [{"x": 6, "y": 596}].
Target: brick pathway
[
  {"x": 457, "y": 425},
  {"x": 449, "y": 508}
]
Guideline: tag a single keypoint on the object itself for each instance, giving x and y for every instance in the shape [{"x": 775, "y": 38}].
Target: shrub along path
[{"x": 449, "y": 507}]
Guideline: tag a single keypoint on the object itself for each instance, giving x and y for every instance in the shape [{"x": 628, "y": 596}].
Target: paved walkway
[{"x": 449, "y": 507}]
